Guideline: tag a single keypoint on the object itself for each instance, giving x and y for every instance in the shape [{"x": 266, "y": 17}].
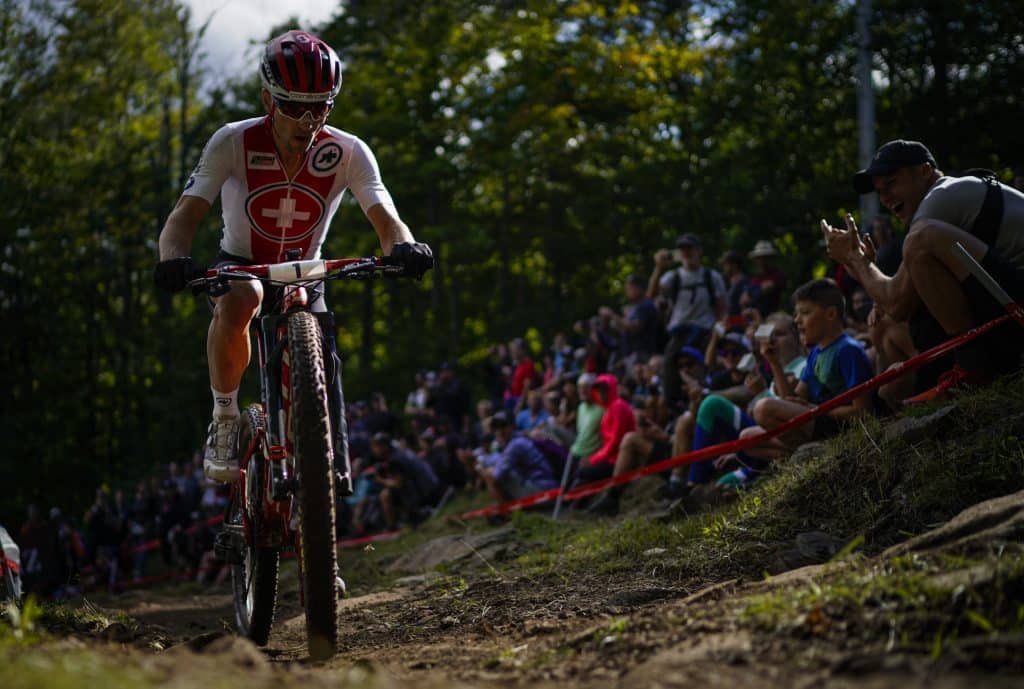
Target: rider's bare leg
[{"x": 228, "y": 348}]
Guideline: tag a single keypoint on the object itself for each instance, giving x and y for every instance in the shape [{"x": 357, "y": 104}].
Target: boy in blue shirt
[{"x": 836, "y": 362}]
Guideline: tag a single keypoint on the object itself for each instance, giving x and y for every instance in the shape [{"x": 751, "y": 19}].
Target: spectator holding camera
[
  {"x": 931, "y": 288},
  {"x": 639, "y": 323},
  {"x": 836, "y": 362},
  {"x": 719, "y": 419}
]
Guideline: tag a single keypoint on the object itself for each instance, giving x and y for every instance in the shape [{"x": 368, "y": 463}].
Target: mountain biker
[{"x": 280, "y": 178}]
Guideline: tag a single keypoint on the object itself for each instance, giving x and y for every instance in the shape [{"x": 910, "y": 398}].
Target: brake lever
[{"x": 219, "y": 288}]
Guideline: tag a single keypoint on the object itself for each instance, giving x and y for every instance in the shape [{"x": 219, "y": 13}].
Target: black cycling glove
[
  {"x": 174, "y": 274},
  {"x": 415, "y": 257}
]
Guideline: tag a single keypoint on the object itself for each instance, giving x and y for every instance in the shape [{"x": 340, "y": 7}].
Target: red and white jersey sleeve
[{"x": 264, "y": 212}]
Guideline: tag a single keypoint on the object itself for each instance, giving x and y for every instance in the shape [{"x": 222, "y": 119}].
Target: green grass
[
  {"x": 85, "y": 617},
  {"x": 861, "y": 488},
  {"x": 909, "y": 602}
]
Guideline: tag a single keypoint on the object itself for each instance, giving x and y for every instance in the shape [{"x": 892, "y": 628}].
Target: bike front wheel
[
  {"x": 254, "y": 580},
  {"x": 310, "y": 428}
]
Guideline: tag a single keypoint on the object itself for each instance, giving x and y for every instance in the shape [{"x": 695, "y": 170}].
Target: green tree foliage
[
  {"x": 87, "y": 167},
  {"x": 545, "y": 150}
]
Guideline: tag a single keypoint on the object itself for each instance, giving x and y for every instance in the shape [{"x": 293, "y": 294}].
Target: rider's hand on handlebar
[
  {"x": 415, "y": 257},
  {"x": 174, "y": 274}
]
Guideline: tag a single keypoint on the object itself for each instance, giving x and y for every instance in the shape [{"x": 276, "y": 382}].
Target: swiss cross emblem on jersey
[{"x": 287, "y": 212}]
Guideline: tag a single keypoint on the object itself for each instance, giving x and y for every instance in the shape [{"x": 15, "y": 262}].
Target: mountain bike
[{"x": 293, "y": 453}]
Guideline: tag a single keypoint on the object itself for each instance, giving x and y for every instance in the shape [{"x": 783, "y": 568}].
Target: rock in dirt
[
  {"x": 492, "y": 545},
  {"x": 807, "y": 452},
  {"x": 237, "y": 651},
  {"x": 119, "y": 632},
  {"x": 996, "y": 519},
  {"x": 812, "y": 548},
  {"x": 636, "y": 597},
  {"x": 641, "y": 494},
  {"x": 911, "y": 429},
  {"x": 196, "y": 644},
  {"x": 224, "y": 648}
]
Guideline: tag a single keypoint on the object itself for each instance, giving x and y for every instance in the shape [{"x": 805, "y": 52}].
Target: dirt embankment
[
  {"x": 851, "y": 623},
  {"x": 670, "y": 598}
]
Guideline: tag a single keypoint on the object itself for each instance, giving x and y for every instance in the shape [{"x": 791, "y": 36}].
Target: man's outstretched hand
[
  {"x": 415, "y": 257},
  {"x": 846, "y": 246}
]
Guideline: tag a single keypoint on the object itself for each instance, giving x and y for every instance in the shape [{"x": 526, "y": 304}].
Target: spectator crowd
[{"x": 702, "y": 350}]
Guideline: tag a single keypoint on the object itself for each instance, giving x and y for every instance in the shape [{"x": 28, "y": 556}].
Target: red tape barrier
[
  {"x": 588, "y": 489},
  {"x": 141, "y": 582},
  {"x": 743, "y": 443}
]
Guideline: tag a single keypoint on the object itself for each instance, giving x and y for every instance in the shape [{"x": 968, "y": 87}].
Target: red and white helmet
[{"x": 298, "y": 66}]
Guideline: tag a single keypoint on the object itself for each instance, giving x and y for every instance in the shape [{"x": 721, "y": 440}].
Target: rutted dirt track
[{"x": 635, "y": 630}]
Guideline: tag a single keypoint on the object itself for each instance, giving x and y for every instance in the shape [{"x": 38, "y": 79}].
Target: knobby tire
[
  {"x": 254, "y": 583},
  {"x": 311, "y": 438}
]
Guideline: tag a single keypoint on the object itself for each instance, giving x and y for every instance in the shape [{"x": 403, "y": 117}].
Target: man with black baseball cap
[
  {"x": 890, "y": 158},
  {"x": 931, "y": 285}
]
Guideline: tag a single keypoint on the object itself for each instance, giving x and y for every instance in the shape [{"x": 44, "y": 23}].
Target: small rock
[
  {"x": 117, "y": 631},
  {"x": 806, "y": 452},
  {"x": 639, "y": 596},
  {"x": 910, "y": 429}
]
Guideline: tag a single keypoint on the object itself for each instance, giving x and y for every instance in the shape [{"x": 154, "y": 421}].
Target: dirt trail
[{"x": 599, "y": 631}]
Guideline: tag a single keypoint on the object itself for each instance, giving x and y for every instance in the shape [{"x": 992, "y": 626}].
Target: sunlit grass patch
[{"x": 914, "y": 602}]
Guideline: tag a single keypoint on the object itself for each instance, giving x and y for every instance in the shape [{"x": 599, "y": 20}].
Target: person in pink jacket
[{"x": 618, "y": 420}]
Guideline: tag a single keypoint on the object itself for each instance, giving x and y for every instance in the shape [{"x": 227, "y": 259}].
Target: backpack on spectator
[
  {"x": 990, "y": 217},
  {"x": 708, "y": 284}
]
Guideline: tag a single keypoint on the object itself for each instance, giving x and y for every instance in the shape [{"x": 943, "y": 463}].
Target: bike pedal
[{"x": 229, "y": 547}]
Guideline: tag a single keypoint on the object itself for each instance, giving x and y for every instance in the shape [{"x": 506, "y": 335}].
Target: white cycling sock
[{"x": 225, "y": 403}]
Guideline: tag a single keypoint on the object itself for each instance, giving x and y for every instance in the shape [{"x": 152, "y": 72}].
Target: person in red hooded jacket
[{"x": 618, "y": 420}]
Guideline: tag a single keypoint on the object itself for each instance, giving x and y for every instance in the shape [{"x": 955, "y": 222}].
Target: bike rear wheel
[
  {"x": 254, "y": 581},
  {"x": 311, "y": 438}
]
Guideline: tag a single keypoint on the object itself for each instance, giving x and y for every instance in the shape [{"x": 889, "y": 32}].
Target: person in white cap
[{"x": 767, "y": 282}]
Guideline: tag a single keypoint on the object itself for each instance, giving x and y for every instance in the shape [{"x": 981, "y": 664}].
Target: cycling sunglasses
[{"x": 297, "y": 110}]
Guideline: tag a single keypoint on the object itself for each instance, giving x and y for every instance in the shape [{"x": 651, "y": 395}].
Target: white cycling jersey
[{"x": 265, "y": 213}]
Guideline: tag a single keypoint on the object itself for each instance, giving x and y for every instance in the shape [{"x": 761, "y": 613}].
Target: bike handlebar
[{"x": 301, "y": 271}]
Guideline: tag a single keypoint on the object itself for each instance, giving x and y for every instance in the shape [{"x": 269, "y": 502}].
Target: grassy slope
[{"x": 862, "y": 488}]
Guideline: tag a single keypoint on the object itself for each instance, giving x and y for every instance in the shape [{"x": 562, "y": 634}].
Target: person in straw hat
[{"x": 767, "y": 281}]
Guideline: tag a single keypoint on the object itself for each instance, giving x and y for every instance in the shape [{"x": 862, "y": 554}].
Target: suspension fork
[{"x": 336, "y": 402}]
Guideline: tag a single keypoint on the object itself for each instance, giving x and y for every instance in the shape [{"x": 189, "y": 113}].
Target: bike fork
[{"x": 336, "y": 403}]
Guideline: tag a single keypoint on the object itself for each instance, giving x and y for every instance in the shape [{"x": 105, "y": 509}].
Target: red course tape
[{"x": 743, "y": 443}]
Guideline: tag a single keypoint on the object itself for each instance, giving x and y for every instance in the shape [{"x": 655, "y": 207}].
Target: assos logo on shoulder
[{"x": 284, "y": 211}]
